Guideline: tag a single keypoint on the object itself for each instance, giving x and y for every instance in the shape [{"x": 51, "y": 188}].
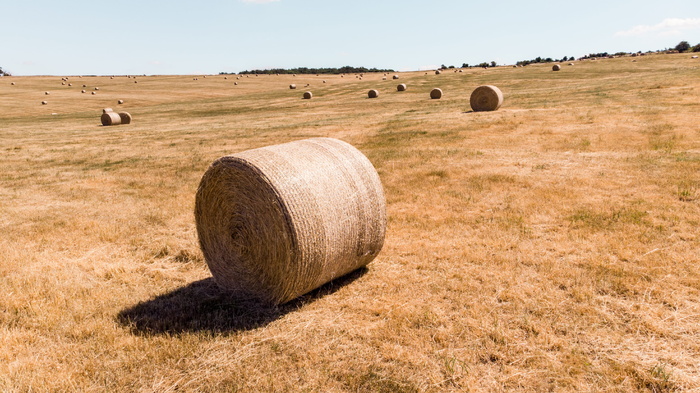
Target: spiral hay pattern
[
  {"x": 307, "y": 95},
  {"x": 436, "y": 93},
  {"x": 401, "y": 87},
  {"x": 373, "y": 94},
  {"x": 486, "y": 98},
  {"x": 279, "y": 221},
  {"x": 125, "y": 117}
]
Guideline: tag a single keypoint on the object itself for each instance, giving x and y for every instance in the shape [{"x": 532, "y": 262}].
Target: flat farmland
[{"x": 551, "y": 245}]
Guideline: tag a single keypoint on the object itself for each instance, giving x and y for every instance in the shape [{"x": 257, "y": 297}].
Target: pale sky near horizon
[{"x": 80, "y": 37}]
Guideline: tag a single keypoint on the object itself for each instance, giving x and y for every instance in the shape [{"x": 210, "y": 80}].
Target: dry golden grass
[{"x": 551, "y": 245}]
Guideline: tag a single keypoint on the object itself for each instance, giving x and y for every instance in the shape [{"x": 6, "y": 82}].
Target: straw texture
[
  {"x": 126, "y": 117},
  {"x": 436, "y": 93},
  {"x": 110, "y": 119},
  {"x": 486, "y": 98},
  {"x": 279, "y": 221}
]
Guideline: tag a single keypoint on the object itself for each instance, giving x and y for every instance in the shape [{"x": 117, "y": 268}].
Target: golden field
[{"x": 552, "y": 245}]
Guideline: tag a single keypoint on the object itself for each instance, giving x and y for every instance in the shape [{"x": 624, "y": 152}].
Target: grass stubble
[{"x": 550, "y": 245}]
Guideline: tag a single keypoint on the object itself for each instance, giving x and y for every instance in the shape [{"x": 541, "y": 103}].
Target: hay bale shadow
[{"x": 203, "y": 306}]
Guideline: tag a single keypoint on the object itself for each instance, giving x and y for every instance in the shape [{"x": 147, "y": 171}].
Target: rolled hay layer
[
  {"x": 110, "y": 119},
  {"x": 436, "y": 93},
  {"x": 307, "y": 95},
  {"x": 105, "y": 110},
  {"x": 486, "y": 98},
  {"x": 292, "y": 86},
  {"x": 126, "y": 117},
  {"x": 373, "y": 94},
  {"x": 556, "y": 67},
  {"x": 401, "y": 87},
  {"x": 277, "y": 222}
]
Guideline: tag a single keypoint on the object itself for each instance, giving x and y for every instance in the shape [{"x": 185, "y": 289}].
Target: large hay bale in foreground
[
  {"x": 279, "y": 221},
  {"x": 373, "y": 94},
  {"x": 126, "y": 117},
  {"x": 436, "y": 93},
  {"x": 556, "y": 67},
  {"x": 486, "y": 98},
  {"x": 307, "y": 95},
  {"x": 401, "y": 87},
  {"x": 110, "y": 119}
]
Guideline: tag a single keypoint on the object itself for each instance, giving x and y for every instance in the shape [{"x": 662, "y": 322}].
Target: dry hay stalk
[
  {"x": 307, "y": 95},
  {"x": 486, "y": 98},
  {"x": 436, "y": 93},
  {"x": 292, "y": 86},
  {"x": 556, "y": 67},
  {"x": 373, "y": 94},
  {"x": 277, "y": 222},
  {"x": 401, "y": 87},
  {"x": 105, "y": 110},
  {"x": 126, "y": 117},
  {"x": 110, "y": 119}
]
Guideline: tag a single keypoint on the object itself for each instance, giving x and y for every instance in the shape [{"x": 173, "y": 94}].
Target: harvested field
[{"x": 552, "y": 245}]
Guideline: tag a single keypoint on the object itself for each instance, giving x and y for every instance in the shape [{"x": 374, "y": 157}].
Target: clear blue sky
[{"x": 50, "y": 37}]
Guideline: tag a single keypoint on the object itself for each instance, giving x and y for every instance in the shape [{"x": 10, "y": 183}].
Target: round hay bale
[
  {"x": 12, "y": 83},
  {"x": 401, "y": 87},
  {"x": 324, "y": 81},
  {"x": 136, "y": 81},
  {"x": 307, "y": 95},
  {"x": 46, "y": 93},
  {"x": 70, "y": 84},
  {"x": 44, "y": 102},
  {"x": 556, "y": 67},
  {"x": 571, "y": 64},
  {"x": 120, "y": 102},
  {"x": 82, "y": 91},
  {"x": 277, "y": 222},
  {"x": 84, "y": 85},
  {"x": 384, "y": 78},
  {"x": 110, "y": 119},
  {"x": 486, "y": 98},
  {"x": 105, "y": 110},
  {"x": 292, "y": 86},
  {"x": 395, "y": 77},
  {"x": 436, "y": 93},
  {"x": 373, "y": 94},
  {"x": 126, "y": 117},
  {"x": 437, "y": 72},
  {"x": 94, "y": 92},
  {"x": 235, "y": 83},
  {"x": 63, "y": 83},
  {"x": 97, "y": 88},
  {"x": 694, "y": 57}
]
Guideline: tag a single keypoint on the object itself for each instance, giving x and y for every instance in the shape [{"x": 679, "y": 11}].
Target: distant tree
[
  {"x": 682, "y": 46},
  {"x": 696, "y": 48},
  {"x": 465, "y": 65},
  {"x": 443, "y": 67},
  {"x": 493, "y": 64},
  {"x": 451, "y": 66}
]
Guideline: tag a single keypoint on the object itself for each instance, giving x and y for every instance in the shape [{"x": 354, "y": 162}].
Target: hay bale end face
[
  {"x": 486, "y": 98},
  {"x": 556, "y": 67},
  {"x": 277, "y": 222},
  {"x": 292, "y": 86},
  {"x": 125, "y": 117},
  {"x": 436, "y": 93},
  {"x": 373, "y": 94},
  {"x": 307, "y": 95},
  {"x": 401, "y": 87},
  {"x": 110, "y": 119}
]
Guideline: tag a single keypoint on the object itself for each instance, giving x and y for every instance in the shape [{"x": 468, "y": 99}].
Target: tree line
[{"x": 307, "y": 70}]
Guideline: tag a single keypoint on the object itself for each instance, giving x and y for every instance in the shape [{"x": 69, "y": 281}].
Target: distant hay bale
[
  {"x": 437, "y": 72},
  {"x": 225, "y": 77},
  {"x": 436, "y": 93},
  {"x": 12, "y": 83},
  {"x": 63, "y": 83},
  {"x": 110, "y": 119},
  {"x": 44, "y": 102},
  {"x": 84, "y": 85},
  {"x": 94, "y": 93},
  {"x": 136, "y": 81},
  {"x": 401, "y": 87},
  {"x": 235, "y": 83},
  {"x": 82, "y": 91},
  {"x": 125, "y": 117},
  {"x": 373, "y": 94},
  {"x": 120, "y": 102},
  {"x": 395, "y": 77},
  {"x": 556, "y": 67},
  {"x": 571, "y": 64},
  {"x": 307, "y": 95},
  {"x": 46, "y": 93},
  {"x": 105, "y": 110},
  {"x": 324, "y": 81},
  {"x": 486, "y": 98},
  {"x": 292, "y": 86},
  {"x": 97, "y": 88},
  {"x": 276, "y": 222},
  {"x": 70, "y": 84},
  {"x": 384, "y": 78},
  {"x": 694, "y": 57}
]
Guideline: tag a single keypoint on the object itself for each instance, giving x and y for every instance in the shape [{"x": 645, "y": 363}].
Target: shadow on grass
[{"x": 204, "y": 307}]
